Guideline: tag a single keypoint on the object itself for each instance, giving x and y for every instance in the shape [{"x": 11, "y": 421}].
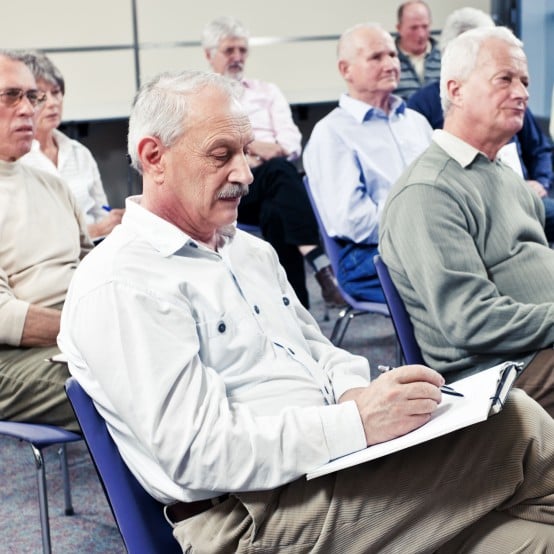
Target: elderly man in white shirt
[{"x": 221, "y": 392}]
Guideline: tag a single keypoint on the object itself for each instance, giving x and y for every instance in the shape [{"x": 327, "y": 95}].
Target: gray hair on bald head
[
  {"x": 346, "y": 47},
  {"x": 462, "y": 20}
]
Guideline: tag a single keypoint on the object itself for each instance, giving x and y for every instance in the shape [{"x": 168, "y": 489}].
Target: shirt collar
[
  {"x": 455, "y": 147},
  {"x": 161, "y": 234},
  {"x": 7, "y": 169},
  {"x": 361, "y": 111}
]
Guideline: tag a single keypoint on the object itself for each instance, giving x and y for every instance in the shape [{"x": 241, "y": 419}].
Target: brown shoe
[{"x": 329, "y": 290}]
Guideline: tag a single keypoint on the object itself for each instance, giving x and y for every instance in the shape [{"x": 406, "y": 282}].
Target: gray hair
[
  {"x": 42, "y": 68},
  {"x": 14, "y": 55},
  {"x": 40, "y": 65},
  {"x": 463, "y": 20},
  {"x": 460, "y": 56},
  {"x": 160, "y": 107},
  {"x": 222, "y": 28},
  {"x": 346, "y": 47}
]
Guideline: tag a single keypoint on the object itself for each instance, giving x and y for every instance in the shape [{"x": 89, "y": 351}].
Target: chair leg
[
  {"x": 62, "y": 452},
  {"x": 325, "y": 312},
  {"x": 339, "y": 330},
  {"x": 42, "y": 500}
]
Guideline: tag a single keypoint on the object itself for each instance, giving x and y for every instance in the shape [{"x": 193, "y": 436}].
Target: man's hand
[
  {"x": 538, "y": 188},
  {"x": 398, "y": 402},
  {"x": 106, "y": 224},
  {"x": 266, "y": 150}
]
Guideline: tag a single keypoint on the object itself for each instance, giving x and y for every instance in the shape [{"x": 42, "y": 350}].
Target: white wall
[{"x": 93, "y": 43}]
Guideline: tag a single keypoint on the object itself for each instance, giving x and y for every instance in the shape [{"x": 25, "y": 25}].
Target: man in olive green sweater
[{"x": 463, "y": 236}]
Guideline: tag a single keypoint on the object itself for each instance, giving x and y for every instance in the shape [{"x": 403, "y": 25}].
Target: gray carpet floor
[{"x": 92, "y": 528}]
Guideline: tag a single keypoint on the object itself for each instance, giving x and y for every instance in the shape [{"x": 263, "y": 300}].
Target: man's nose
[
  {"x": 25, "y": 107},
  {"x": 521, "y": 91},
  {"x": 241, "y": 171},
  {"x": 236, "y": 55}
]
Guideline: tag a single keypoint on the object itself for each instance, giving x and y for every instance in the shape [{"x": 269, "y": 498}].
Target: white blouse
[{"x": 78, "y": 168}]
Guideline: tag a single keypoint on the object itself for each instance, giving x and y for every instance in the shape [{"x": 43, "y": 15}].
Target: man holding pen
[
  {"x": 44, "y": 237},
  {"x": 221, "y": 392}
]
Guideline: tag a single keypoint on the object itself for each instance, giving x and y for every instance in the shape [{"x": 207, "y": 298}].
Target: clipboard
[
  {"x": 505, "y": 382},
  {"x": 484, "y": 393}
]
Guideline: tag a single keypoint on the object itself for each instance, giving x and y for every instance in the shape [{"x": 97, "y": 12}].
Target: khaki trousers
[
  {"x": 486, "y": 488},
  {"x": 32, "y": 389}
]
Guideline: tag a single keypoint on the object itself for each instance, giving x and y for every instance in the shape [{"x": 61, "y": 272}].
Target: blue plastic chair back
[
  {"x": 333, "y": 251},
  {"x": 139, "y": 517},
  {"x": 400, "y": 318}
]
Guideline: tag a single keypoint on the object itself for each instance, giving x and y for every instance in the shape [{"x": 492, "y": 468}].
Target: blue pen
[{"x": 107, "y": 208}]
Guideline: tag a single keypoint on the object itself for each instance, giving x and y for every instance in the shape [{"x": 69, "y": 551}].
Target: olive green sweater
[{"x": 465, "y": 246}]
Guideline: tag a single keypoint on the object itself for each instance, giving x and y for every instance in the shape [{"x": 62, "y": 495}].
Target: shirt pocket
[{"x": 229, "y": 340}]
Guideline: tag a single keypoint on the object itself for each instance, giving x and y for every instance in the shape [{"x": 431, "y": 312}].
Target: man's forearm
[{"x": 41, "y": 326}]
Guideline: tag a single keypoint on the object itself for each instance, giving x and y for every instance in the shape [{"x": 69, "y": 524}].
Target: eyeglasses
[{"x": 12, "y": 96}]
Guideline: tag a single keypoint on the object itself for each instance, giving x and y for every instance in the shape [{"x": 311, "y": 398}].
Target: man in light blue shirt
[{"x": 356, "y": 153}]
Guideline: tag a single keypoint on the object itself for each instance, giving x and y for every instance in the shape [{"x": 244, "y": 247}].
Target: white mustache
[{"x": 232, "y": 190}]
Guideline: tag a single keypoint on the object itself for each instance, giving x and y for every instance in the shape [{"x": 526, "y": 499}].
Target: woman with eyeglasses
[{"x": 56, "y": 153}]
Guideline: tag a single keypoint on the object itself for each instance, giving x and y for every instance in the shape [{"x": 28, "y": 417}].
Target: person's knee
[
  {"x": 500, "y": 532},
  {"x": 524, "y": 418}
]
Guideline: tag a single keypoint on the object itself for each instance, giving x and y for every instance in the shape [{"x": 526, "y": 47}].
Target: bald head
[
  {"x": 368, "y": 62},
  {"x": 356, "y": 38}
]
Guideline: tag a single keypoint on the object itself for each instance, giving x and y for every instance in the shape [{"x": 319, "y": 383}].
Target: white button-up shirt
[{"x": 210, "y": 374}]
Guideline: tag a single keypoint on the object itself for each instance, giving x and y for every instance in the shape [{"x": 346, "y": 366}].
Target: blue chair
[
  {"x": 355, "y": 307},
  {"x": 138, "y": 515},
  {"x": 400, "y": 318},
  {"x": 40, "y": 436}
]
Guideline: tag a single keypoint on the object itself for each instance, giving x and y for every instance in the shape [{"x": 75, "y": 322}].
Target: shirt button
[
  {"x": 221, "y": 327},
  {"x": 286, "y": 301},
  {"x": 256, "y": 309}
]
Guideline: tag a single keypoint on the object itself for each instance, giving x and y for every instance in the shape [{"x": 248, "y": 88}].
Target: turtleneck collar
[{"x": 7, "y": 169}]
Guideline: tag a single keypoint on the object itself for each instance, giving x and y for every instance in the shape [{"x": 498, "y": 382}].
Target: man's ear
[
  {"x": 454, "y": 89},
  {"x": 150, "y": 152},
  {"x": 208, "y": 54},
  {"x": 343, "y": 69}
]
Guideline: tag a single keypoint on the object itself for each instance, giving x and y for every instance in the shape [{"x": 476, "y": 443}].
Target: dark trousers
[{"x": 278, "y": 203}]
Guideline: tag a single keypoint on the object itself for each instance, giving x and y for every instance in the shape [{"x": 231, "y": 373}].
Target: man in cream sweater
[{"x": 43, "y": 237}]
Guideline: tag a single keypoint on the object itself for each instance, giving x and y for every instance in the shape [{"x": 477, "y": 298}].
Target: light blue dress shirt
[{"x": 354, "y": 156}]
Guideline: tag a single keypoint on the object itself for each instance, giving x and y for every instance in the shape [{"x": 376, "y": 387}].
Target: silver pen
[{"x": 445, "y": 389}]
